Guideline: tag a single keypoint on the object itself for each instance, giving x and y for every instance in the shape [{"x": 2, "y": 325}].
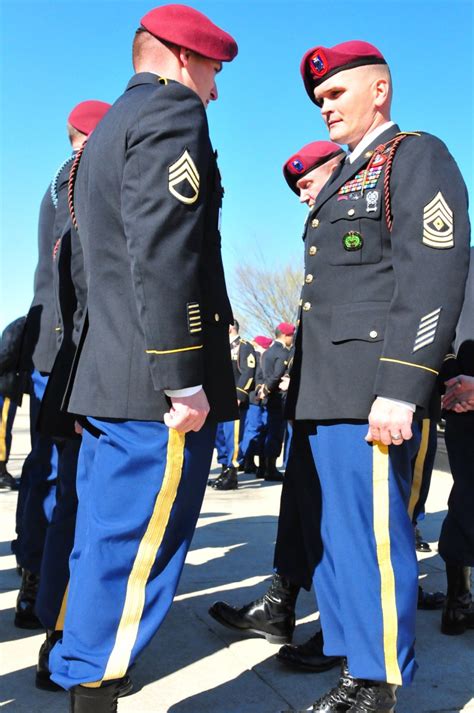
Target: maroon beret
[
  {"x": 320, "y": 63},
  {"x": 187, "y": 27},
  {"x": 86, "y": 115},
  {"x": 307, "y": 159},
  {"x": 286, "y": 328},
  {"x": 263, "y": 342}
]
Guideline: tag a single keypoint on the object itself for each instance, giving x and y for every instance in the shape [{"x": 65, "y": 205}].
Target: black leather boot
[
  {"x": 228, "y": 480},
  {"x": 271, "y": 616},
  {"x": 375, "y": 697},
  {"x": 308, "y": 656},
  {"x": 271, "y": 471},
  {"x": 340, "y": 698},
  {"x": 249, "y": 465},
  {"x": 25, "y": 617},
  {"x": 95, "y": 700},
  {"x": 458, "y": 612},
  {"x": 260, "y": 472},
  {"x": 213, "y": 481},
  {"x": 43, "y": 673}
]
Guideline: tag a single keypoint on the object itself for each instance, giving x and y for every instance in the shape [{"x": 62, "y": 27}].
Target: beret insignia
[
  {"x": 183, "y": 179},
  {"x": 297, "y": 165},
  {"x": 318, "y": 63},
  {"x": 438, "y": 224}
]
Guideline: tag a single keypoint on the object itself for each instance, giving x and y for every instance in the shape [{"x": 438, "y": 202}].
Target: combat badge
[
  {"x": 372, "y": 200},
  {"x": 438, "y": 224},
  {"x": 183, "y": 173},
  {"x": 352, "y": 241}
]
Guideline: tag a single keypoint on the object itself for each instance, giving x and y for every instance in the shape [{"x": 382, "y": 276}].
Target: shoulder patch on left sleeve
[
  {"x": 438, "y": 223},
  {"x": 184, "y": 173},
  {"x": 251, "y": 361}
]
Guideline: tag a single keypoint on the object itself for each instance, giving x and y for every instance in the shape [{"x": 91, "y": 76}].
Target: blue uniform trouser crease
[
  {"x": 366, "y": 575},
  {"x": 140, "y": 488}
]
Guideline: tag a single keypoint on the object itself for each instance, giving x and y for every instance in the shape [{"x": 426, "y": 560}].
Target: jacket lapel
[{"x": 349, "y": 170}]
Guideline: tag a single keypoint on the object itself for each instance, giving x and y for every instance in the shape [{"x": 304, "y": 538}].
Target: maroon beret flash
[
  {"x": 86, "y": 115},
  {"x": 320, "y": 63},
  {"x": 286, "y": 328},
  {"x": 307, "y": 159},
  {"x": 187, "y": 27},
  {"x": 262, "y": 341}
]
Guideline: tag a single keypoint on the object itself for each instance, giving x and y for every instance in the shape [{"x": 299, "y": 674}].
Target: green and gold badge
[{"x": 352, "y": 241}]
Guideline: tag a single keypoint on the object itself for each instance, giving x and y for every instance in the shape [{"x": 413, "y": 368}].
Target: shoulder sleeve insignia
[
  {"x": 183, "y": 179},
  {"x": 438, "y": 224},
  {"x": 251, "y": 361}
]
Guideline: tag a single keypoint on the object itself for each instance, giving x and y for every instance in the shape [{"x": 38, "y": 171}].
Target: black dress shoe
[
  {"x": 213, "y": 481},
  {"x": 375, "y": 697},
  {"x": 430, "y": 600},
  {"x": 25, "y": 617},
  {"x": 228, "y": 480},
  {"x": 340, "y": 698},
  {"x": 271, "y": 616},
  {"x": 96, "y": 700},
  {"x": 308, "y": 656},
  {"x": 7, "y": 481}
]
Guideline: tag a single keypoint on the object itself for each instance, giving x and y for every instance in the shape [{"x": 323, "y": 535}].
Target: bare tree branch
[{"x": 263, "y": 296}]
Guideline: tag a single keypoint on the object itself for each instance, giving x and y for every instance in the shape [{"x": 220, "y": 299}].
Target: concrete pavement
[{"x": 196, "y": 666}]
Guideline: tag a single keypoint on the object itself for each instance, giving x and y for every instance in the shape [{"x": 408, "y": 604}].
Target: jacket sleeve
[
  {"x": 273, "y": 370},
  {"x": 430, "y": 249},
  {"x": 247, "y": 364},
  {"x": 163, "y": 211}
]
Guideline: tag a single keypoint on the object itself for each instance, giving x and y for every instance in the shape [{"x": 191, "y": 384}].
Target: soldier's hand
[
  {"x": 187, "y": 413},
  {"x": 459, "y": 394},
  {"x": 389, "y": 423},
  {"x": 78, "y": 428},
  {"x": 284, "y": 383}
]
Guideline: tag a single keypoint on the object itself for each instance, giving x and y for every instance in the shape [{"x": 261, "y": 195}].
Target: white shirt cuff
[
  {"x": 412, "y": 407},
  {"x": 189, "y": 391}
]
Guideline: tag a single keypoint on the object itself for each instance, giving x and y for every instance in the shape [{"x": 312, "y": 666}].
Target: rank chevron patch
[
  {"x": 183, "y": 173},
  {"x": 438, "y": 224}
]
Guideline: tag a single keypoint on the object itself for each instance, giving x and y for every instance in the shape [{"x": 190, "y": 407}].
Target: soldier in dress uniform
[
  {"x": 456, "y": 542},
  {"x": 392, "y": 221},
  {"x": 153, "y": 357},
  {"x": 37, "y": 496},
  {"x": 274, "y": 366},
  {"x": 12, "y": 385},
  {"x": 273, "y": 615},
  {"x": 253, "y": 440},
  {"x": 230, "y": 454},
  {"x": 69, "y": 289}
]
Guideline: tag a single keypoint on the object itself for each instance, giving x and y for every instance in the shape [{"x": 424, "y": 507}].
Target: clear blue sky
[{"x": 59, "y": 52}]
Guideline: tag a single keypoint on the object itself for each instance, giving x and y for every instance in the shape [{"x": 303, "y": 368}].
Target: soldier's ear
[
  {"x": 381, "y": 89},
  {"x": 184, "y": 55}
]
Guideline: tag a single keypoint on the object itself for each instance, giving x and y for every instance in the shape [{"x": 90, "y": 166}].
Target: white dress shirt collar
[{"x": 367, "y": 140}]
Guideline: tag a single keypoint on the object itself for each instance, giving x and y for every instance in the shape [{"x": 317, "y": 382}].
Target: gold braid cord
[
  {"x": 71, "y": 183},
  {"x": 391, "y": 146}
]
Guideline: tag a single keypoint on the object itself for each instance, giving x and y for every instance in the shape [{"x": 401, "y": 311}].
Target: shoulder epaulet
[
  {"x": 392, "y": 147},
  {"x": 409, "y": 133},
  {"x": 162, "y": 80}
]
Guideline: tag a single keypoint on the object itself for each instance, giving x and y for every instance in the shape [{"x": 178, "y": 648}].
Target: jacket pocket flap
[{"x": 364, "y": 321}]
